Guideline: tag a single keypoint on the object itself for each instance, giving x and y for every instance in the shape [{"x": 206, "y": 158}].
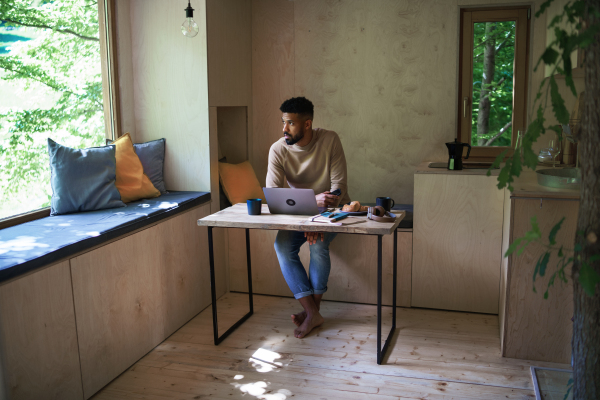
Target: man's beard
[{"x": 296, "y": 139}]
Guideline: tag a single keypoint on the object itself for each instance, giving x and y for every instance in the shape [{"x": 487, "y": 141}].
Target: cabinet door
[
  {"x": 457, "y": 242},
  {"x": 37, "y": 325},
  {"x": 537, "y": 328},
  {"x": 119, "y": 306}
]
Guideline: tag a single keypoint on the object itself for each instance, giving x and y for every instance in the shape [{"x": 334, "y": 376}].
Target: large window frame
[
  {"x": 110, "y": 94},
  {"x": 468, "y": 16}
]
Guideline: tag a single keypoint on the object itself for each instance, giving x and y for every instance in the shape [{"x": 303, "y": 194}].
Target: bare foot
[
  {"x": 299, "y": 318},
  {"x": 310, "y": 322}
]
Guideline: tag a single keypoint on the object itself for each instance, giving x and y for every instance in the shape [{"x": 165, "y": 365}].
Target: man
[{"x": 308, "y": 159}]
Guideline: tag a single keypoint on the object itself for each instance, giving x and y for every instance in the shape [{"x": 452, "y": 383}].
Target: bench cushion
[
  {"x": 407, "y": 221},
  {"x": 35, "y": 244}
]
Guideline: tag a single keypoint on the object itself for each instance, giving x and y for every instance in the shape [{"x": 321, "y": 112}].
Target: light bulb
[{"x": 189, "y": 28}]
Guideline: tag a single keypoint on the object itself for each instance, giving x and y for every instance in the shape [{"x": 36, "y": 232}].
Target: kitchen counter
[
  {"x": 525, "y": 186},
  {"x": 424, "y": 168}
]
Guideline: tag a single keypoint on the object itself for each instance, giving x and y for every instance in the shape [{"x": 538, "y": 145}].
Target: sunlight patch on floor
[{"x": 263, "y": 361}]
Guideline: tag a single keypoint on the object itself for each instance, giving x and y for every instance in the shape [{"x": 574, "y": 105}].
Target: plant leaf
[
  {"x": 513, "y": 246},
  {"x": 558, "y": 104},
  {"x": 543, "y": 8},
  {"x": 536, "y": 270},
  {"x": 550, "y": 56},
  {"x": 515, "y": 169},
  {"x": 497, "y": 162},
  {"x": 588, "y": 278},
  {"x": 544, "y": 263},
  {"x": 553, "y": 232}
]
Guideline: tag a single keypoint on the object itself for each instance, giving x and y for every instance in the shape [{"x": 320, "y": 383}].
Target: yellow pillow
[
  {"x": 239, "y": 182},
  {"x": 131, "y": 182}
]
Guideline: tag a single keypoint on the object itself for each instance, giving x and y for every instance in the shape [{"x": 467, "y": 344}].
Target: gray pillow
[
  {"x": 82, "y": 179},
  {"x": 152, "y": 156}
]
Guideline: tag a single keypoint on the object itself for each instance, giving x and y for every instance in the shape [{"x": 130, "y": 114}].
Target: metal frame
[
  {"x": 218, "y": 339},
  {"x": 380, "y": 351},
  {"x": 536, "y": 386}
]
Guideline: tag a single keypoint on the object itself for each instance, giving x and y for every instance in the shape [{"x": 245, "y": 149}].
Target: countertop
[
  {"x": 424, "y": 169},
  {"x": 525, "y": 186}
]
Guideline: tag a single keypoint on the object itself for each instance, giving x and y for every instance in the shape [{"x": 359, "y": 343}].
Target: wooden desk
[{"x": 237, "y": 217}]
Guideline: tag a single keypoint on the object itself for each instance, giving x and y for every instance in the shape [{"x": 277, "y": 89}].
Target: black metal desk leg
[
  {"x": 213, "y": 289},
  {"x": 381, "y": 351},
  {"x": 395, "y": 263},
  {"x": 379, "y": 251},
  {"x": 248, "y": 263}
]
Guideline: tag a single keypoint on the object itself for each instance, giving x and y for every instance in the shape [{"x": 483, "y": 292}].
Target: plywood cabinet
[
  {"x": 131, "y": 294},
  {"x": 457, "y": 246},
  {"x": 117, "y": 292},
  {"x": 70, "y": 328},
  {"x": 532, "y": 327},
  {"x": 37, "y": 326}
]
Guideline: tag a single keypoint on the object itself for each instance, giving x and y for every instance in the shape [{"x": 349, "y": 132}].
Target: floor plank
[{"x": 435, "y": 355}]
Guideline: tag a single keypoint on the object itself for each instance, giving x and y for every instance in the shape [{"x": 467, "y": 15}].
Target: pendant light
[{"x": 189, "y": 28}]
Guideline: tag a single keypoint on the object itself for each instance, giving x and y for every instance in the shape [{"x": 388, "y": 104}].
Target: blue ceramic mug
[{"x": 254, "y": 206}]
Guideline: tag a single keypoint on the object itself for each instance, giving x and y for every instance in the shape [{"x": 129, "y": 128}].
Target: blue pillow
[
  {"x": 152, "y": 156},
  {"x": 82, "y": 179}
]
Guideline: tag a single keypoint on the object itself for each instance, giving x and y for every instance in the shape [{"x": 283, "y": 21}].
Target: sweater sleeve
[
  {"x": 275, "y": 171},
  {"x": 339, "y": 172}
]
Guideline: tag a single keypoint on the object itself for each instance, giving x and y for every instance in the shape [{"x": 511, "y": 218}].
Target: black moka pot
[{"x": 455, "y": 151}]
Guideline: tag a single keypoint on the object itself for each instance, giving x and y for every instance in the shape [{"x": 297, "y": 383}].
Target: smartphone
[{"x": 336, "y": 192}]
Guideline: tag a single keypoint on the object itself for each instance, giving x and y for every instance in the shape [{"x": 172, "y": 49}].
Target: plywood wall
[
  {"x": 170, "y": 88},
  {"x": 382, "y": 74}
]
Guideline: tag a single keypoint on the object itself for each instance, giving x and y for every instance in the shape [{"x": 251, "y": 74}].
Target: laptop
[{"x": 291, "y": 201}]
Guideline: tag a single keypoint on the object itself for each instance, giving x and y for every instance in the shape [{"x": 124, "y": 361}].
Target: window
[
  {"x": 493, "y": 68},
  {"x": 55, "y": 82}
]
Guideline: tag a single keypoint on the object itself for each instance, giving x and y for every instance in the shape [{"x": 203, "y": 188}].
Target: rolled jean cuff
[
  {"x": 303, "y": 294},
  {"x": 319, "y": 291}
]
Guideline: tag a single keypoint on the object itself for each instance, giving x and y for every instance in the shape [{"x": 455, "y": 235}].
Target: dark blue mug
[
  {"x": 254, "y": 206},
  {"x": 386, "y": 202}
]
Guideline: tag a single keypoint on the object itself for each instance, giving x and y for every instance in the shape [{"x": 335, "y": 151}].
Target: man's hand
[
  {"x": 326, "y": 199},
  {"x": 312, "y": 237}
]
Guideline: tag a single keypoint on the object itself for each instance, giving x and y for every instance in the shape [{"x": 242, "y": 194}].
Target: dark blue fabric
[
  {"x": 407, "y": 221},
  {"x": 37, "y": 243},
  {"x": 152, "y": 156},
  {"x": 82, "y": 179}
]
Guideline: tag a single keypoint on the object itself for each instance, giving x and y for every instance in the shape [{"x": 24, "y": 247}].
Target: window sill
[{"x": 25, "y": 217}]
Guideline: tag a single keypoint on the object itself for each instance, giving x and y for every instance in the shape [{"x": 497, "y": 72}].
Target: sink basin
[{"x": 563, "y": 178}]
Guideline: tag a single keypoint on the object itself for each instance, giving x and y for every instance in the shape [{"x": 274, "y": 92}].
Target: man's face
[{"x": 293, "y": 128}]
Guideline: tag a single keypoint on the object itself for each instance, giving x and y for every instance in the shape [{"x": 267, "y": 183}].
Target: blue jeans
[{"x": 287, "y": 246}]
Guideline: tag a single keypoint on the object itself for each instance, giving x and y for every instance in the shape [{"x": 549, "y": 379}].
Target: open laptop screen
[{"x": 291, "y": 201}]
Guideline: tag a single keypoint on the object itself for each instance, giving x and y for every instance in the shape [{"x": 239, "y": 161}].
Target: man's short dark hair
[{"x": 298, "y": 105}]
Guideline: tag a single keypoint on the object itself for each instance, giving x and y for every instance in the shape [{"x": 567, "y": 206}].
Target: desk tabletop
[{"x": 237, "y": 216}]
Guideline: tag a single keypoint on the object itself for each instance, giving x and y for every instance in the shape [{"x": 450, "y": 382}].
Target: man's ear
[{"x": 308, "y": 124}]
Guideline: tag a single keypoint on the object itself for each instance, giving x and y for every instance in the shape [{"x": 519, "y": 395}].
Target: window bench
[{"x": 84, "y": 296}]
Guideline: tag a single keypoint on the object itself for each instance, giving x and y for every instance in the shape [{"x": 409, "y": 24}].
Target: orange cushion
[
  {"x": 239, "y": 182},
  {"x": 131, "y": 181}
]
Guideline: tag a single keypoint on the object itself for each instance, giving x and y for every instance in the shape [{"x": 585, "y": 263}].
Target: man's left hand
[{"x": 312, "y": 237}]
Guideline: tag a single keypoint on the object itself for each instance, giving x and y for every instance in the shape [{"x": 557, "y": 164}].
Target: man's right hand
[{"x": 326, "y": 199}]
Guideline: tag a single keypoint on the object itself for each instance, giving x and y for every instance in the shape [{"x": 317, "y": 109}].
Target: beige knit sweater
[{"x": 320, "y": 165}]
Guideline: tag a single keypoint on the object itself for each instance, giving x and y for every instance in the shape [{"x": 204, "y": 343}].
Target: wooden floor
[{"x": 435, "y": 355}]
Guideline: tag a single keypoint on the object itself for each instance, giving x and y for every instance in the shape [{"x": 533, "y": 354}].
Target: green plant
[{"x": 559, "y": 51}]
